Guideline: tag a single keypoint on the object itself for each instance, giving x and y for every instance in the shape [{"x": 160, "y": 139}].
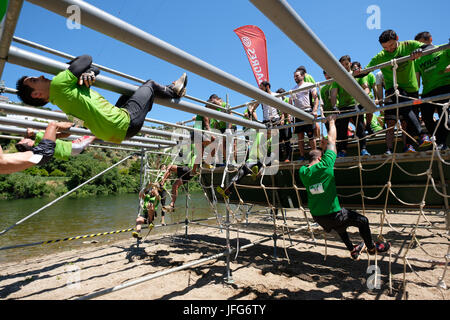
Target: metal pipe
[
  {"x": 125, "y": 143},
  {"x": 7, "y": 29},
  {"x": 60, "y": 116},
  {"x": 288, "y": 21},
  {"x": 37, "y": 62},
  {"x": 80, "y": 131},
  {"x": 383, "y": 108},
  {"x": 118, "y": 29}
]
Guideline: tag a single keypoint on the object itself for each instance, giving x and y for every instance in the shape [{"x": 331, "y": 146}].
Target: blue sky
[{"x": 204, "y": 29}]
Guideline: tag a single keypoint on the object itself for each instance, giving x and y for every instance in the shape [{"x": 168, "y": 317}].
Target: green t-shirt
[
  {"x": 374, "y": 124},
  {"x": 219, "y": 124},
  {"x": 406, "y": 77},
  {"x": 325, "y": 96},
  {"x": 321, "y": 186},
  {"x": 344, "y": 99},
  {"x": 365, "y": 80},
  {"x": 150, "y": 199},
  {"x": 309, "y": 78},
  {"x": 431, "y": 68},
  {"x": 106, "y": 122},
  {"x": 63, "y": 149},
  {"x": 256, "y": 148}
]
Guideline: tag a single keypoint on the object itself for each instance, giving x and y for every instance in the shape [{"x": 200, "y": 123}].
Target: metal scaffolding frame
[
  {"x": 118, "y": 29},
  {"x": 278, "y": 11}
]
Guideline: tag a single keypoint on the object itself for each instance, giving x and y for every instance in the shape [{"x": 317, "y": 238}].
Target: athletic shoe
[
  {"x": 357, "y": 251},
  {"x": 341, "y": 154},
  {"x": 364, "y": 152},
  {"x": 179, "y": 86},
  {"x": 151, "y": 226},
  {"x": 441, "y": 147},
  {"x": 382, "y": 246},
  {"x": 136, "y": 235},
  {"x": 388, "y": 152},
  {"x": 425, "y": 141},
  {"x": 221, "y": 192},
  {"x": 409, "y": 149}
]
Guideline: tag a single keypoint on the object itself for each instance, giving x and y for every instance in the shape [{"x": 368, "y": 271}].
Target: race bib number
[{"x": 316, "y": 189}]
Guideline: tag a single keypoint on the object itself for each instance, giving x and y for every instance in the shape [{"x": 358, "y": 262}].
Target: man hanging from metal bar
[
  {"x": 70, "y": 91},
  {"x": 319, "y": 181},
  {"x": 63, "y": 149},
  {"x": 40, "y": 154}
]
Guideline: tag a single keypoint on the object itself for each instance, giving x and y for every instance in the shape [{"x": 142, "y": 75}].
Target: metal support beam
[
  {"x": 288, "y": 21},
  {"x": 60, "y": 116},
  {"x": 116, "y": 28},
  {"x": 7, "y": 29},
  {"x": 80, "y": 131},
  {"x": 22, "y": 132},
  {"x": 37, "y": 62}
]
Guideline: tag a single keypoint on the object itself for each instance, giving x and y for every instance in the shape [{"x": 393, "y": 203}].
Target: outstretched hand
[{"x": 88, "y": 78}]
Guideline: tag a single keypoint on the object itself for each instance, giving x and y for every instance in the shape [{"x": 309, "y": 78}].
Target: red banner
[{"x": 254, "y": 43}]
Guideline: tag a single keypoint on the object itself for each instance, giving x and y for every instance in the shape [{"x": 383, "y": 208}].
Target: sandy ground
[{"x": 302, "y": 270}]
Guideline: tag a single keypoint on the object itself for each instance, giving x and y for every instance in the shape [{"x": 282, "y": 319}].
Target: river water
[{"x": 72, "y": 217}]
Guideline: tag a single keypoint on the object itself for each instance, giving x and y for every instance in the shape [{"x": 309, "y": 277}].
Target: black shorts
[
  {"x": 46, "y": 148},
  {"x": 183, "y": 173},
  {"x": 307, "y": 128},
  {"x": 338, "y": 221}
]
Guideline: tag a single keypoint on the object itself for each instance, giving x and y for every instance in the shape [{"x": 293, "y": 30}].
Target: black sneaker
[
  {"x": 355, "y": 253},
  {"x": 179, "y": 86},
  {"x": 382, "y": 246}
]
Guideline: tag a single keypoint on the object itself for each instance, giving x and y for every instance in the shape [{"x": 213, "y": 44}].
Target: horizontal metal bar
[
  {"x": 80, "y": 131},
  {"x": 37, "y": 62},
  {"x": 22, "y": 132}
]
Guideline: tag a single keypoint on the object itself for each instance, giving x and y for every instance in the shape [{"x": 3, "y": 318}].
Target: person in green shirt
[
  {"x": 319, "y": 181},
  {"x": 63, "y": 149},
  {"x": 38, "y": 155},
  {"x": 150, "y": 200},
  {"x": 407, "y": 86},
  {"x": 434, "y": 69},
  {"x": 106, "y": 121},
  {"x": 345, "y": 102},
  {"x": 371, "y": 82}
]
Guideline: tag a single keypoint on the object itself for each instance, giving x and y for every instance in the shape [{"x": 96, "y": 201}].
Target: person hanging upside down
[
  {"x": 150, "y": 202},
  {"x": 39, "y": 154},
  {"x": 63, "y": 149},
  {"x": 106, "y": 121},
  {"x": 318, "y": 178}
]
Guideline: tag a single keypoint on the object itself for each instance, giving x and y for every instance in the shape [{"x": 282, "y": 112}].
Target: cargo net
[{"x": 238, "y": 211}]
